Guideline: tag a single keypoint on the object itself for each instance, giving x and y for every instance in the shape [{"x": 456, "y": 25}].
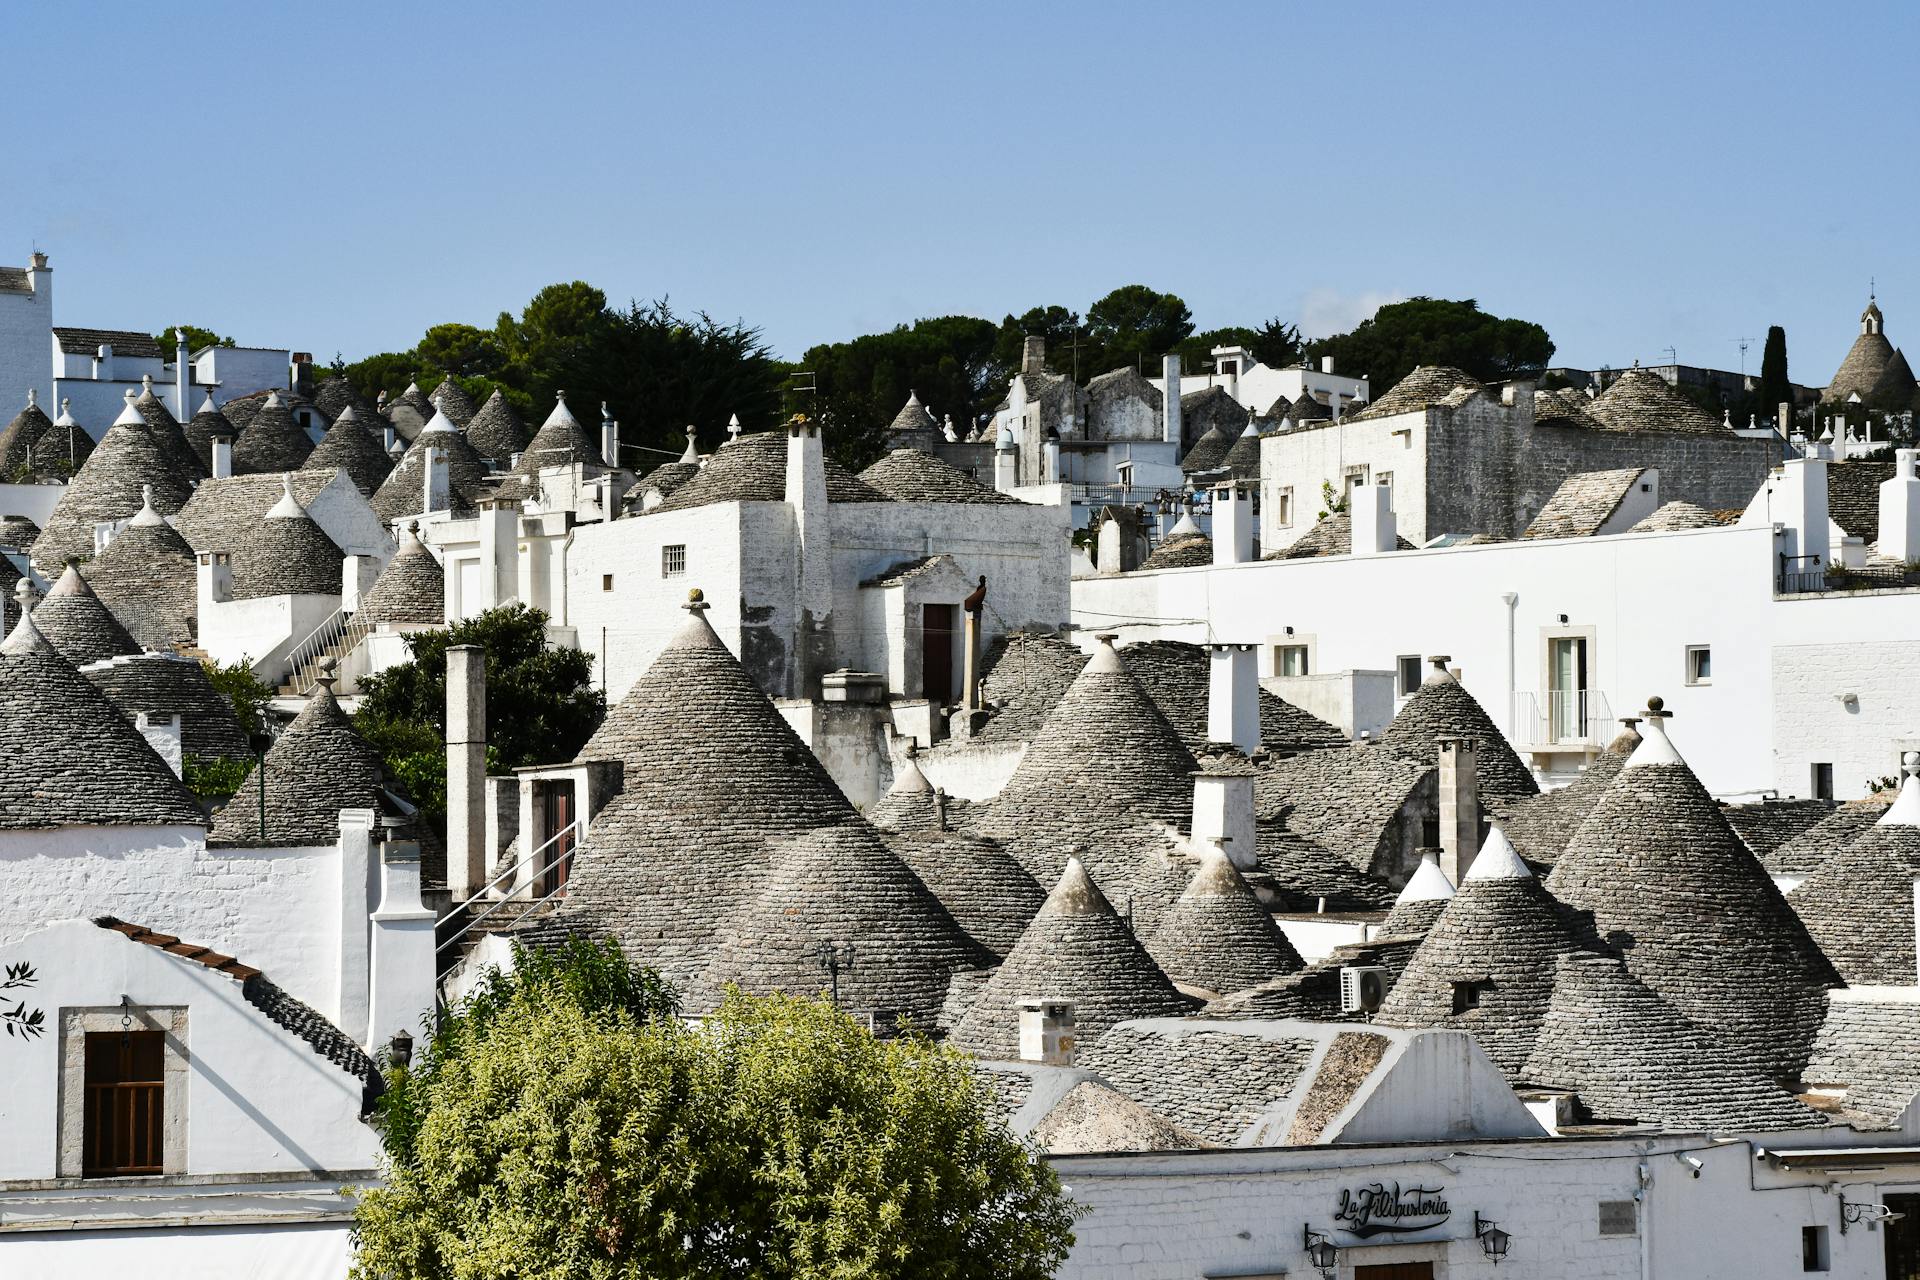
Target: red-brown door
[
  {"x": 125, "y": 1126},
  {"x": 558, "y": 859},
  {"x": 936, "y": 655}
]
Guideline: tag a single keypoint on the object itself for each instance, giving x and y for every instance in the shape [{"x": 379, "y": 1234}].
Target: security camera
[{"x": 1691, "y": 1162}]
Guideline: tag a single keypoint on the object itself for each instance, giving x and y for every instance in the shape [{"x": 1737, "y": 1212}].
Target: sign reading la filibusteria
[{"x": 1389, "y": 1207}]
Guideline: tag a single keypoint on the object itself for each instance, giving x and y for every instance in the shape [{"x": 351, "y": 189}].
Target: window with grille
[
  {"x": 673, "y": 560},
  {"x": 125, "y": 1125}
]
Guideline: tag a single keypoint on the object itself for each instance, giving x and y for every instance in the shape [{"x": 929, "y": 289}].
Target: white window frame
[
  {"x": 673, "y": 560},
  {"x": 1283, "y": 507},
  {"x": 1280, "y": 652},
  {"x": 1694, "y": 652}
]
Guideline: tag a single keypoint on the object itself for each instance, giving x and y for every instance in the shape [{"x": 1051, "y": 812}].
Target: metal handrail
[
  {"x": 573, "y": 828},
  {"x": 302, "y": 655}
]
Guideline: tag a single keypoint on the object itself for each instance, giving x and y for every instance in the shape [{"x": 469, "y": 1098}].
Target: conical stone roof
[
  {"x": 72, "y": 761},
  {"x": 1306, "y": 409},
  {"x": 1190, "y": 551},
  {"x": 287, "y": 554},
  {"x": 1104, "y": 761},
  {"x": 989, "y": 894},
  {"x": 350, "y": 446},
  {"x": 1807, "y": 852},
  {"x": 165, "y": 684},
  {"x": 1217, "y": 937},
  {"x": 410, "y": 411},
  {"x": 62, "y": 451},
  {"x": 1859, "y": 905},
  {"x": 561, "y": 440},
  {"x": 914, "y": 475},
  {"x": 18, "y": 532},
  {"x": 79, "y": 627},
  {"x": 1209, "y": 452},
  {"x": 1243, "y": 458},
  {"x": 272, "y": 442},
  {"x": 909, "y": 804},
  {"x": 1076, "y": 949},
  {"x": 496, "y": 432},
  {"x": 1542, "y": 826},
  {"x": 841, "y": 886},
  {"x": 109, "y": 487},
  {"x": 1665, "y": 881},
  {"x": 1632, "y": 1057},
  {"x": 713, "y": 776},
  {"x": 1427, "y": 385},
  {"x": 1866, "y": 362},
  {"x": 335, "y": 394},
  {"x": 19, "y": 437},
  {"x": 147, "y": 576},
  {"x": 168, "y": 434},
  {"x": 1425, "y": 896},
  {"x": 202, "y": 428},
  {"x": 1674, "y": 516},
  {"x": 1442, "y": 706},
  {"x": 412, "y": 588},
  {"x": 317, "y": 767},
  {"x": 1486, "y": 965},
  {"x": 914, "y": 427},
  {"x": 753, "y": 468},
  {"x": 449, "y": 399},
  {"x": 403, "y": 492},
  {"x": 1642, "y": 401}
]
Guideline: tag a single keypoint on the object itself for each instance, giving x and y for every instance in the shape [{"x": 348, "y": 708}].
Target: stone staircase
[
  {"x": 308, "y": 665},
  {"x": 514, "y": 915}
]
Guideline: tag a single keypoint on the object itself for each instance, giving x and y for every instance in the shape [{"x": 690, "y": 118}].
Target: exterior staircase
[{"x": 322, "y": 650}]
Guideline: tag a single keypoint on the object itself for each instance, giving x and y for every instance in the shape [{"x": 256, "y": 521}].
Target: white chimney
[
  {"x": 1232, "y": 525},
  {"x": 1899, "y": 533},
  {"x": 182, "y": 373},
  {"x": 222, "y": 455},
  {"x": 163, "y": 735},
  {"x": 357, "y": 576},
  {"x": 1233, "y": 696},
  {"x": 466, "y": 769},
  {"x": 215, "y": 580},
  {"x": 1459, "y": 805},
  {"x": 1326, "y": 364},
  {"x": 1006, "y": 462},
  {"x": 1046, "y": 1030},
  {"x": 103, "y": 363},
  {"x": 609, "y": 438},
  {"x": 1370, "y": 507},
  {"x": 435, "y": 495},
  {"x": 1170, "y": 410},
  {"x": 1223, "y": 811},
  {"x": 389, "y": 437},
  {"x": 1800, "y": 504},
  {"x": 400, "y": 994},
  {"x": 357, "y": 887}
]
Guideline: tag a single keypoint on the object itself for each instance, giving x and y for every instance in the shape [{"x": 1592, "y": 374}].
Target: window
[
  {"x": 1822, "y": 781},
  {"x": 673, "y": 560},
  {"x": 606, "y": 582},
  {"x": 1466, "y": 995},
  {"x": 1356, "y": 477},
  {"x": 1699, "y": 664},
  {"x": 1408, "y": 665},
  {"x": 1385, "y": 478},
  {"x": 1290, "y": 660},
  {"x": 125, "y": 1127},
  {"x": 1283, "y": 508},
  {"x": 1813, "y": 1249}
]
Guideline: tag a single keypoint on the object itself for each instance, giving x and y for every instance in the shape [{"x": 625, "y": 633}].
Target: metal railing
[
  {"x": 1801, "y": 573},
  {"x": 1575, "y": 717},
  {"x": 565, "y": 839},
  {"x": 303, "y": 660}
]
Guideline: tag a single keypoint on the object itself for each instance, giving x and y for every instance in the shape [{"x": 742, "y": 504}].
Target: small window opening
[{"x": 673, "y": 560}]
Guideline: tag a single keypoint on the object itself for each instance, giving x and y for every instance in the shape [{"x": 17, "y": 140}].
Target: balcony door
[{"x": 1567, "y": 688}]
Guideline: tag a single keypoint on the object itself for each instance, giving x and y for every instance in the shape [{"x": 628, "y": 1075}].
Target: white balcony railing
[{"x": 1562, "y": 718}]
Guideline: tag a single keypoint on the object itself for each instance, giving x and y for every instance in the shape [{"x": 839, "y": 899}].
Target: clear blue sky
[{"x": 336, "y": 178}]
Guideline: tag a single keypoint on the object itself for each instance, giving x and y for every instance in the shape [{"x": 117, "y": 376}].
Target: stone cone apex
[
  {"x": 1184, "y": 527},
  {"x": 1216, "y": 937},
  {"x": 1631, "y": 1056},
  {"x": 438, "y": 422},
  {"x": 288, "y": 507},
  {"x": 1905, "y": 809},
  {"x": 78, "y": 625},
  {"x": 315, "y": 768},
  {"x": 1443, "y": 707},
  {"x": 1421, "y": 901},
  {"x": 1496, "y": 860},
  {"x": 910, "y": 804},
  {"x": 691, "y": 453},
  {"x": 560, "y": 416},
  {"x": 1655, "y": 747},
  {"x": 1428, "y": 883},
  {"x": 1075, "y": 949},
  {"x": 130, "y": 415},
  {"x": 66, "y": 414},
  {"x": 25, "y": 636},
  {"x": 70, "y": 583}
]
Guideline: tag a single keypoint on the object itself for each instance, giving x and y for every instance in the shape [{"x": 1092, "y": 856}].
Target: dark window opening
[
  {"x": 125, "y": 1125},
  {"x": 1466, "y": 995},
  {"x": 1823, "y": 782}
]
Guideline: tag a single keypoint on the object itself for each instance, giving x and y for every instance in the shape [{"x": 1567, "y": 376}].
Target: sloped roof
[
  {"x": 909, "y": 804},
  {"x": 108, "y": 487},
  {"x": 977, "y": 881},
  {"x": 753, "y": 468},
  {"x": 1075, "y": 949},
  {"x": 1664, "y": 879},
  {"x": 148, "y": 577},
  {"x": 496, "y": 432},
  {"x": 1676, "y": 515},
  {"x": 1308, "y": 875},
  {"x": 286, "y": 554},
  {"x": 664, "y": 479},
  {"x": 713, "y": 776},
  {"x": 1193, "y": 551},
  {"x": 1871, "y": 1047},
  {"x": 1642, "y": 401},
  {"x": 335, "y": 394},
  {"x": 1441, "y": 705},
  {"x": 1541, "y": 826},
  {"x": 1564, "y": 408},
  {"x": 1307, "y": 409},
  {"x": 1859, "y": 905},
  {"x": 1347, "y": 801},
  {"x": 351, "y": 447},
  {"x": 315, "y": 768},
  {"x": 1314, "y": 992},
  {"x": 72, "y": 761},
  {"x": 1210, "y": 407},
  {"x": 841, "y": 885},
  {"x": 168, "y": 434},
  {"x": 914, "y": 475},
  {"x": 200, "y": 430},
  {"x": 451, "y": 400},
  {"x": 1331, "y": 536},
  {"x": 224, "y": 512},
  {"x": 18, "y": 532},
  {"x": 1865, "y": 363},
  {"x": 403, "y": 492},
  {"x": 1812, "y": 848},
  {"x": 1209, "y": 452},
  {"x": 1421, "y": 901},
  {"x": 165, "y": 684},
  {"x": 1429, "y": 384},
  {"x": 1583, "y": 503},
  {"x": 241, "y": 410},
  {"x": 1094, "y": 1117},
  {"x": 914, "y": 426},
  {"x": 125, "y": 342},
  {"x": 1217, "y": 1080},
  {"x": 1500, "y": 933},
  {"x": 61, "y": 451},
  {"x": 1853, "y": 495},
  {"x": 79, "y": 627},
  {"x": 402, "y": 409},
  {"x": 1631, "y": 1056},
  {"x": 1216, "y": 937},
  {"x": 1243, "y": 458},
  {"x": 561, "y": 440},
  {"x": 1765, "y": 825},
  {"x": 1104, "y": 760},
  {"x": 412, "y": 588},
  {"x": 19, "y": 437}
]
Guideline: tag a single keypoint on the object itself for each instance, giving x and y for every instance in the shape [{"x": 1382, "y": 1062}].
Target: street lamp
[
  {"x": 1491, "y": 1237},
  {"x": 833, "y": 957},
  {"x": 1321, "y": 1253}
]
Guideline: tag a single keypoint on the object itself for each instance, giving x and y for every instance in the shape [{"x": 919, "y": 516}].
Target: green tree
[
  {"x": 1775, "y": 388},
  {"x": 1059, "y": 326},
  {"x": 950, "y": 362},
  {"x": 579, "y": 1136},
  {"x": 541, "y": 703},
  {"x": 1133, "y": 325},
  {"x": 460, "y": 350},
  {"x": 1275, "y": 344},
  {"x": 196, "y": 338},
  {"x": 244, "y": 691},
  {"x": 1404, "y": 335}
]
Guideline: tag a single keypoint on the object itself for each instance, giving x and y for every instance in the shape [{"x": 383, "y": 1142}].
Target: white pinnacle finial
[
  {"x": 288, "y": 506},
  {"x": 733, "y": 426},
  {"x": 691, "y": 454},
  {"x": 146, "y": 384},
  {"x": 32, "y": 395},
  {"x": 66, "y": 413}
]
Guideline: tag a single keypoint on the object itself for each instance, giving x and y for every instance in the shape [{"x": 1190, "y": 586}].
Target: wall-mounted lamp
[
  {"x": 1859, "y": 1211},
  {"x": 1491, "y": 1238},
  {"x": 1289, "y": 630},
  {"x": 1563, "y": 619},
  {"x": 1321, "y": 1253}
]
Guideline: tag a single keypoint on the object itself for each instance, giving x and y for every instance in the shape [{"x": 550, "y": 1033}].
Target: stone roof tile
[
  {"x": 1216, "y": 937},
  {"x": 79, "y": 627},
  {"x": 914, "y": 475},
  {"x": 1442, "y": 706},
  {"x": 350, "y": 445}
]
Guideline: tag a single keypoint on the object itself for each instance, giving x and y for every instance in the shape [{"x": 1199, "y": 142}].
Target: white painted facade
[
  {"x": 1259, "y": 387},
  {"x": 227, "y": 373},
  {"x": 26, "y": 322}
]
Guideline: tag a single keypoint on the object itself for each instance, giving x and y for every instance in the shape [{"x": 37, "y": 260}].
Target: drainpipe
[{"x": 1512, "y": 600}]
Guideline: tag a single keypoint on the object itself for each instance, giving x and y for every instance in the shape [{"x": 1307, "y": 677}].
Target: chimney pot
[{"x": 1046, "y": 1031}]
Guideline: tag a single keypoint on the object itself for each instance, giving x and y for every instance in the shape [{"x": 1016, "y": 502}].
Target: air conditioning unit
[{"x": 1362, "y": 987}]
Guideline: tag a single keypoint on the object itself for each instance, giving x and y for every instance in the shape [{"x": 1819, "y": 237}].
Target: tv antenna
[{"x": 1743, "y": 344}]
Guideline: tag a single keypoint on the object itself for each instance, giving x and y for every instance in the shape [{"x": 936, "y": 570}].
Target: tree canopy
[
  {"x": 1775, "y": 389},
  {"x": 1404, "y": 335},
  {"x": 196, "y": 338},
  {"x": 541, "y": 703},
  {"x": 950, "y": 362},
  {"x": 574, "y": 1128}
]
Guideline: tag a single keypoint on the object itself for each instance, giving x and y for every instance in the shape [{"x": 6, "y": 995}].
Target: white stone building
[{"x": 26, "y": 318}]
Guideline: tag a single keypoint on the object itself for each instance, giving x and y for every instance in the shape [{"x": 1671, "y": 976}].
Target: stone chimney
[
  {"x": 436, "y": 492},
  {"x": 222, "y": 455},
  {"x": 357, "y": 886},
  {"x": 163, "y": 735},
  {"x": 1033, "y": 354},
  {"x": 1459, "y": 804},
  {"x": 1170, "y": 426},
  {"x": 215, "y": 580},
  {"x": 1899, "y": 533},
  {"x": 1375, "y": 530},
  {"x": 182, "y": 373},
  {"x": 466, "y": 769},
  {"x": 1232, "y": 525},
  {"x": 1223, "y": 808},
  {"x": 609, "y": 438},
  {"x": 1233, "y": 696},
  {"x": 400, "y": 993},
  {"x": 1046, "y": 1026}
]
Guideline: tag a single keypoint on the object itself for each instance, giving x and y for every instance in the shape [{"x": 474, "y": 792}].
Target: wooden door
[
  {"x": 557, "y": 862},
  {"x": 125, "y": 1123},
  {"x": 1903, "y": 1238},
  {"x": 936, "y": 653}
]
